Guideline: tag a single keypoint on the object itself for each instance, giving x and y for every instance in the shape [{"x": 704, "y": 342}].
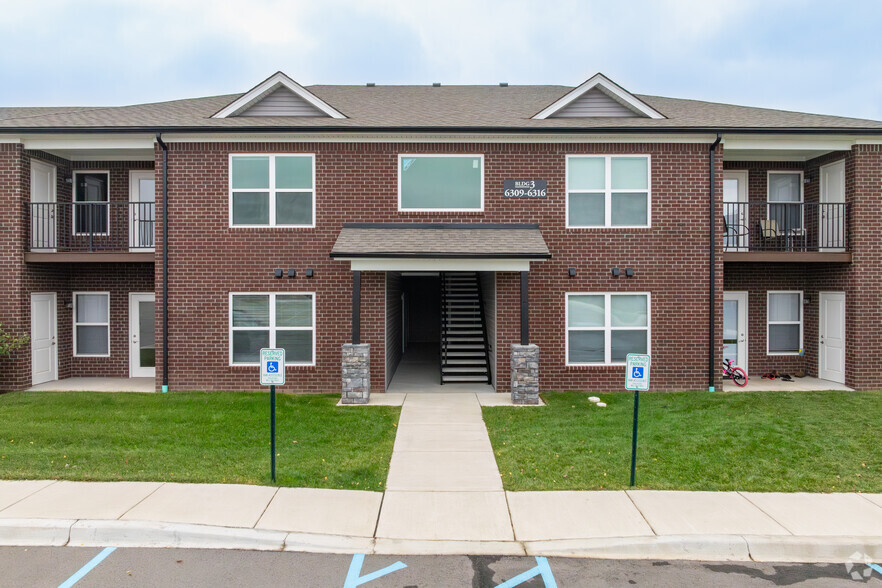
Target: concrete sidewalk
[{"x": 610, "y": 524}]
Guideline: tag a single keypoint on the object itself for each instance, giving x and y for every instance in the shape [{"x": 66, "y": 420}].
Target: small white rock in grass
[
  {"x": 593, "y": 399},
  {"x": 601, "y": 404}
]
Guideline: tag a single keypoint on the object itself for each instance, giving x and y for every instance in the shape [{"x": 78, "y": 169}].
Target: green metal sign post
[
  {"x": 272, "y": 372},
  {"x": 636, "y": 379}
]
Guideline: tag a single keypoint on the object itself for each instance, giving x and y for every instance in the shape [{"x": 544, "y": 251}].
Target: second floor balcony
[
  {"x": 785, "y": 231},
  {"x": 91, "y": 231}
]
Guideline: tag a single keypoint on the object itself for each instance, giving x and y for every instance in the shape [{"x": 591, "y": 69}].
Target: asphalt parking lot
[{"x": 84, "y": 567}]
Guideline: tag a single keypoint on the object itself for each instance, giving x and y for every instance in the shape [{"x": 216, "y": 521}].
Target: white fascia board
[
  {"x": 391, "y": 264},
  {"x": 270, "y": 84},
  {"x": 612, "y": 89},
  {"x": 436, "y": 138},
  {"x": 789, "y": 142},
  {"x": 77, "y": 142}
]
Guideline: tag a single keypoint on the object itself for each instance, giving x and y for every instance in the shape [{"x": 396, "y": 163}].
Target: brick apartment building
[{"x": 441, "y": 229}]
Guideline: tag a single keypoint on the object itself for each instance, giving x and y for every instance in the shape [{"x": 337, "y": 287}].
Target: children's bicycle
[{"x": 736, "y": 374}]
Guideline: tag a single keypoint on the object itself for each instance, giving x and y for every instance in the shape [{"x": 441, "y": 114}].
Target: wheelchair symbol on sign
[
  {"x": 272, "y": 367},
  {"x": 637, "y": 373}
]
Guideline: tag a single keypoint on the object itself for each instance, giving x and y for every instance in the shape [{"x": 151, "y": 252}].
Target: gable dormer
[
  {"x": 599, "y": 97},
  {"x": 279, "y": 95}
]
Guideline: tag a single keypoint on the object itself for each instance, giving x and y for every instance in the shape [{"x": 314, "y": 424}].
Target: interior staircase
[{"x": 464, "y": 347}]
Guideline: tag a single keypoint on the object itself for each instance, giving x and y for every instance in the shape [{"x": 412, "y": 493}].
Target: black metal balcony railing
[
  {"x": 92, "y": 226},
  {"x": 785, "y": 226}
]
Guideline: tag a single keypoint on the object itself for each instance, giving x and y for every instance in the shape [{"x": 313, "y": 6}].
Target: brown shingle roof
[
  {"x": 420, "y": 240},
  {"x": 429, "y": 107}
]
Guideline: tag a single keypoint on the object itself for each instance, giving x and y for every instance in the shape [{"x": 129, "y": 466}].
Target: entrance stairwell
[{"x": 464, "y": 346}]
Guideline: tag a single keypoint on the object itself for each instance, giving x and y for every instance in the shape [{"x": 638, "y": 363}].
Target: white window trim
[
  {"x": 272, "y": 191},
  {"x": 607, "y": 191},
  {"x": 480, "y": 156},
  {"x": 73, "y": 199},
  {"x": 272, "y": 328},
  {"x": 607, "y": 327},
  {"x": 801, "y": 200},
  {"x": 78, "y": 324},
  {"x": 769, "y": 322}
]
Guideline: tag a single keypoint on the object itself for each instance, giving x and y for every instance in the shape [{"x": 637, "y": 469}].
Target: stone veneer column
[
  {"x": 356, "y": 373},
  {"x": 525, "y": 374}
]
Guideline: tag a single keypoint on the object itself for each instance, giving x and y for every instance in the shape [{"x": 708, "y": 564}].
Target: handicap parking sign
[
  {"x": 272, "y": 370},
  {"x": 637, "y": 372}
]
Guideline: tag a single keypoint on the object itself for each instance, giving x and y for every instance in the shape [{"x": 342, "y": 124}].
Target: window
[
  {"x": 784, "y": 320},
  {"x": 91, "y": 311},
  {"x": 604, "y": 328},
  {"x": 272, "y": 190},
  {"x": 608, "y": 191},
  {"x": 91, "y": 196},
  {"x": 440, "y": 182},
  {"x": 785, "y": 201},
  {"x": 272, "y": 320}
]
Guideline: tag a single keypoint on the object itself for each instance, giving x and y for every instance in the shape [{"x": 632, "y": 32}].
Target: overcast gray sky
[{"x": 807, "y": 55}]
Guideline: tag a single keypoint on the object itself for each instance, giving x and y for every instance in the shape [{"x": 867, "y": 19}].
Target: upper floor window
[
  {"x": 272, "y": 190},
  {"x": 441, "y": 182},
  {"x": 608, "y": 191}
]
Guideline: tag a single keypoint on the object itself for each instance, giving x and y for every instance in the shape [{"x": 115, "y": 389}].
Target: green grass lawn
[
  {"x": 800, "y": 441},
  {"x": 194, "y": 437}
]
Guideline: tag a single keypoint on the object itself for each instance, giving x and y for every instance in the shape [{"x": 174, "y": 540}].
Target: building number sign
[{"x": 526, "y": 189}]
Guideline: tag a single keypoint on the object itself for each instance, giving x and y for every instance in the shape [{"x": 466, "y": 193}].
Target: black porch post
[
  {"x": 356, "y": 307},
  {"x": 525, "y": 308}
]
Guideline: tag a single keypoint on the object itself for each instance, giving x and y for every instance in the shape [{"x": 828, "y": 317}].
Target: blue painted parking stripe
[
  {"x": 542, "y": 569},
  {"x": 87, "y": 568},
  {"x": 353, "y": 578},
  {"x": 875, "y": 567}
]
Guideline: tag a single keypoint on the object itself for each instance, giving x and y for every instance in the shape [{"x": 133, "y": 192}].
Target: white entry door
[
  {"x": 735, "y": 328},
  {"x": 831, "y": 331},
  {"x": 142, "y": 211},
  {"x": 142, "y": 339},
  {"x": 833, "y": 207},
  {"x": 735, "y": 211},
  {"x": 44, "y": 338},
  {"x": 43, "y": 223}
]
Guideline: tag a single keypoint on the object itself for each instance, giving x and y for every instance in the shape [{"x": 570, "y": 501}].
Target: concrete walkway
[
  {"x": 443, "y": 481},
  {"x": 611, "y": 524}
]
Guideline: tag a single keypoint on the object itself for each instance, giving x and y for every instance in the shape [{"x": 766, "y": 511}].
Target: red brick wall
[
  {"x": 15, "y": 369},
  {"x": 358, "y": 182}
]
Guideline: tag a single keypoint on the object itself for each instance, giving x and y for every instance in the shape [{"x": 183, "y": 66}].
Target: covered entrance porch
[{"x": 440, "y": 306}]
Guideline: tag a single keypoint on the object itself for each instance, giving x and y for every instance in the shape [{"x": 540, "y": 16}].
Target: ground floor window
[
  {"x": 784, "y": 322},
  {"x": 91, "y": 311},
  {"x": 272, "y": 320},
  {"x": 602, "y": 329}
]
